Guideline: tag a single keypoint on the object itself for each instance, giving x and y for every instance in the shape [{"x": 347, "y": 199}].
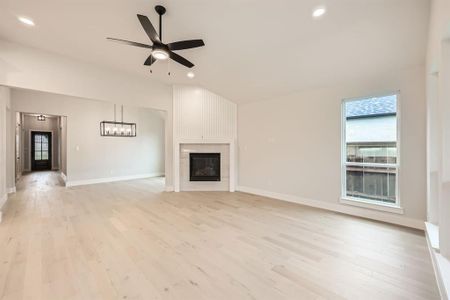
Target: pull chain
[
  {"x": 168, "y": 67},
  {"x": 151, "y": 63}
]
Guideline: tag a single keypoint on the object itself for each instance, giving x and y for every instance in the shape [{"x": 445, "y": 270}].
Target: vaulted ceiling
[{"x": 255, "y": 49}]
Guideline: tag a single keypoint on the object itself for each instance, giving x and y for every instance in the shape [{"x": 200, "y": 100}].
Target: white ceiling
[{"x": 255, "y": 49}]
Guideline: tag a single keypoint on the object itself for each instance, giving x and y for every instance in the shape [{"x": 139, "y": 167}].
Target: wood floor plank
[{"x": 132, "y": 240}]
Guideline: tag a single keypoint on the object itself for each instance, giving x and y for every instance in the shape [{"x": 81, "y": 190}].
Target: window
[{"x": 370, "y": 150}]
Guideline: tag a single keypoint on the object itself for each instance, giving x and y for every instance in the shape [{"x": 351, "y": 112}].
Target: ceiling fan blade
[
  {"x": 149, "y": 29},
  {"x": 181, "y": 60},
  {"x": 129, "y": 43},
  {"x": 149, "y": 61},
  {"x": 181, "y": 45}
]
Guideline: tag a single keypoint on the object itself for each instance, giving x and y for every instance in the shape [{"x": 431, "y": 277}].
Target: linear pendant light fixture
[{"x": 117, "y": 129}]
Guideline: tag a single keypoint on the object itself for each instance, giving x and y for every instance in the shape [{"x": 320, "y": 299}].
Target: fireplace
[{"x": 204, "y": 166}]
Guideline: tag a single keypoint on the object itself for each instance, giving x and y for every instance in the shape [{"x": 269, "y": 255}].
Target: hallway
[{"x": 39, "y": 181}]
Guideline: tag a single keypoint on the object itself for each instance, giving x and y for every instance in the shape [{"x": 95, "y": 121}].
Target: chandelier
[{"x": 117, "y": 129}]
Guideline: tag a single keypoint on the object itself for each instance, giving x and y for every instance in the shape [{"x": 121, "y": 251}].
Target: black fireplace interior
[{"x": 204, "y": 166}]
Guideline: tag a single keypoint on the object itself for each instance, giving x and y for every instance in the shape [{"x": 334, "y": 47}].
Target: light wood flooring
[{"x": 131, "y": 240}]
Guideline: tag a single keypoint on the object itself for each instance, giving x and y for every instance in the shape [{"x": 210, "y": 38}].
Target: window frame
[{"x": 368, "y": 203}]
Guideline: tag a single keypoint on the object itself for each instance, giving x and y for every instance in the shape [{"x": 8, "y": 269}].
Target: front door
[{"x": 41, "y": 154}]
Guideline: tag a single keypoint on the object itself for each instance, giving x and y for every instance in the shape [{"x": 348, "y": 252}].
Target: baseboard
[
  {"x": 111, "y": 179},
  {"x": 169, "y": 188},
  {"x": 441, "y": 267},
  {"x": 12, "y": 190},
  {"x": 341, "y": 208}
]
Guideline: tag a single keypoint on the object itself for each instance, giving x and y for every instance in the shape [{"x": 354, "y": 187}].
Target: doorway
[{"x": 41, "y": 150}]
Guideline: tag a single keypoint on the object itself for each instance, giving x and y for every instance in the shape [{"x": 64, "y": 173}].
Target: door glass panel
[{"x": 41, "y": 147}]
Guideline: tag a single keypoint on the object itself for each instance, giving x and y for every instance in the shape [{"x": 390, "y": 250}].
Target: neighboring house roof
[
  {"x": 371, "y": 107},
  {"x": 369, "y": 130}
]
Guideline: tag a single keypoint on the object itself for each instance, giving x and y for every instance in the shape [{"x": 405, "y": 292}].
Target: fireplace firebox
[{"x": 204, "y": 166}]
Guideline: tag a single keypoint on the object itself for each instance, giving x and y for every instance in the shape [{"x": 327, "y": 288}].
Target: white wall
[
  {"x": 4, "y": 105},
  {"x": 90, "y": 156},
  {"x": 63, "y": 149},
  {"x": 39, "y": 70},
  {"x": 18, "y": 145},
  {"x": 30, "y": 68},
  {"x": 292, "y": 145},
  {"x": 438, "y": 125},
  {"x": 10, "y": 147}
]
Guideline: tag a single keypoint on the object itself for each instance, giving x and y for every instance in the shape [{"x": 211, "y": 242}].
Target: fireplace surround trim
[{"x": 176, "y": 159}]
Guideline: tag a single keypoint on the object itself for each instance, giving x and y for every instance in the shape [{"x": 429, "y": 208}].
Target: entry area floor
[{"x": 132, "y": 240}]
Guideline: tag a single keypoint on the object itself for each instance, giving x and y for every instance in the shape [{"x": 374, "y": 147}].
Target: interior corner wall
[
  {"x": 91, "y": 157},
  {"x": 10, "y": 149},
  {"x": 438, "y": 143},
  {"x": 291, "y": 145},
  {"x": 5, "y": 104},
  {"x": 63, "y": 150}
]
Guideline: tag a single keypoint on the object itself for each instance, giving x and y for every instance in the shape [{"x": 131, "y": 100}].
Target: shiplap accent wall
[
  {"x": 202, "y": 117},
  {"x": 201, "y": 114}
]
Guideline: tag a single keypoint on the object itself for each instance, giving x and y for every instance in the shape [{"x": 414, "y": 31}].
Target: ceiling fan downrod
[{"x": 161, "y": 10}]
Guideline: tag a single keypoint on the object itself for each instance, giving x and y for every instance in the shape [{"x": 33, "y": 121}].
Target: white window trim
[
  {"x": 372, "y": 204},
  {"x": 367, "y": 203}
]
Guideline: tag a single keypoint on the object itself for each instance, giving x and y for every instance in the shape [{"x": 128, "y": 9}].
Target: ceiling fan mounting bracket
[{"x": 161, "y": 10}]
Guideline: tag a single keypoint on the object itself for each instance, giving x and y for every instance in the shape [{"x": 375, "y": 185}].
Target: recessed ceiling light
[
  {"x": 319, "y": 11},
  {"x": 26, "y": 21},
  {"x": 190, "y": 75}
]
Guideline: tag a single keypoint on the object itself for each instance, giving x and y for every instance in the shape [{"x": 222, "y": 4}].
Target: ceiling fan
[{"x": 161, "y": 51}]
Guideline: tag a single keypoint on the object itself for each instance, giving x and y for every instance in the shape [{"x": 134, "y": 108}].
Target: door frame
[{"x": 50, "y": 144}]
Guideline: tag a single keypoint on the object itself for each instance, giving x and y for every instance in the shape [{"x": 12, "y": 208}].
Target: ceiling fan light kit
[
  {"x": 160, "y": 54},
  {"x": 160, "y": 50}
]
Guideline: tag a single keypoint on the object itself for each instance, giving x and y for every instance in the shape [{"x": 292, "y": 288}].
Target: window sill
[{"x": 372, "y": 205}]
